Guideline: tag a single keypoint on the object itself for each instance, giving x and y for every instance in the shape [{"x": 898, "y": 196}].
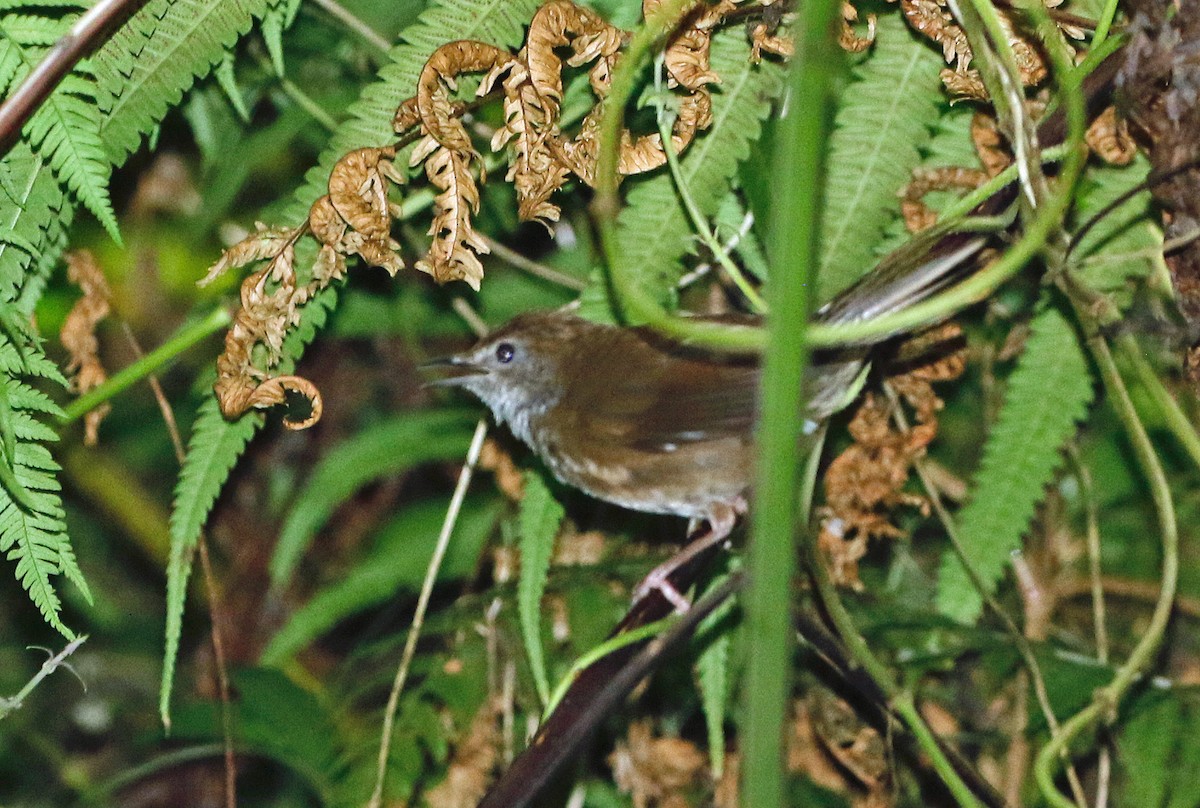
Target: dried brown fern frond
[
  {"x": 270, "y": 301},
  {"x": 864, "y": 485},
  {"x": 357, "y": 215},
  {"x": 454, "y": 254},
  {"x": 78, "y": 334},
  {"x": 919, "y": 216},
  {"x": 933, "y": 19}
]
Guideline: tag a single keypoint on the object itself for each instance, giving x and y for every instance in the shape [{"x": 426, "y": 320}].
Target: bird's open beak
[{"x": 457, "y": 369}]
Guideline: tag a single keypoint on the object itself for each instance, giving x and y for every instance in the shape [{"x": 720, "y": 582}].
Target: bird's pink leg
[{"x": 721, "y": 520}]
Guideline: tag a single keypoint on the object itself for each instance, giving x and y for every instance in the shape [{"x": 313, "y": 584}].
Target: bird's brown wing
[{"x": 648, "y": 395}]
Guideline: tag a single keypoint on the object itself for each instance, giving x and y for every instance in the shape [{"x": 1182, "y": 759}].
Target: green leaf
[
  {"x": 36, "y": 219},
  {"x": 1126, "y": 245},
  {"x": 879, "y": 130},
  {"x": 1160, "y": 750},
  {"x": 537, "y": 525},
  {"x": 729, "y": 225},
  {"x": 140, "y": 72},
  {"x": 1048, "y": 394},
  {"x": 397, "y": 563},
  {"x": 380, "y": 450},
  {"x": 213, "y": 448},
  {"x": 66, "y": 131},
  {"x": 33, "y": 532},
  {"x": 144, "y": 68},
  {"x": 280, "y": 15},
  {"x": 227, "y": 81},
  {"x": 712, "y": 672},
  {"x": 277, "y": 719}
]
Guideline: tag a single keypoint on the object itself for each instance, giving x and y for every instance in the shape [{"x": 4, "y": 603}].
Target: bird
[{"x": 631, "y": 417}]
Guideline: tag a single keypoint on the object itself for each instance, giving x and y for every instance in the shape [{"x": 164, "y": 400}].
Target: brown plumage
[{"x": 622, "y": 413}]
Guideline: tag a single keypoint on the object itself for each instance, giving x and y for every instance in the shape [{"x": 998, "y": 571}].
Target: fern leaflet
[
  {"x": 32, "y": 526},
  {"x": 145, "y": 67},
  {"x": 879, "y": 130},
  {"x": 1124, "y": 246},
  {"x": 653, "y": 228},
  {"x": 1048, "y": 394},
  {"x": 66, "y": 129},
  {"x": 538, "y": 522}
]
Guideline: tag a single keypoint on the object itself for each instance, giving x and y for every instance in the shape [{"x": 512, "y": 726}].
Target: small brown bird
[{"x": 633, "y": 418}]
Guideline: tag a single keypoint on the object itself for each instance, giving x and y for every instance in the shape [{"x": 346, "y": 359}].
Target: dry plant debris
[
  {"x": 356, "y": 217},
  {"x": 78, "y": 335},
  {"x": 865, "y": 483},
  {"x": 474, "y": 762},
  {"x": 656, "y": 771}
]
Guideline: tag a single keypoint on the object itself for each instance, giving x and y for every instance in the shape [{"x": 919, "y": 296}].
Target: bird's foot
[{"x": 720, "y": 524}]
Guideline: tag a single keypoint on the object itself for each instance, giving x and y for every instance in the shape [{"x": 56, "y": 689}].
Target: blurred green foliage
[{"x": 320, "y": 539}]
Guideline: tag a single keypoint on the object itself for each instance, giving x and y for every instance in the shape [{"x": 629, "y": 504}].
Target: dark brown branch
[{"x": 85, "y": 35}]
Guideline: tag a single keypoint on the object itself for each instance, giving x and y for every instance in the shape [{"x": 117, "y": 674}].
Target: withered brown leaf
[
  {"x": 78, "y": 334},
  {"x": 454, "y": 254}
]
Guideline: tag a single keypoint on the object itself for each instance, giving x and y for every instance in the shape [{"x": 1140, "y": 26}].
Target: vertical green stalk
[{"x": 795, "y": 218}]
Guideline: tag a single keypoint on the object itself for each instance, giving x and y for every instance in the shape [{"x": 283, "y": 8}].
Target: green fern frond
[
  {"x": 33, "y": 207},
  {"x": 227, "y": 81},
  {"x": 145, "y": 67},
  {"x": 35, "y": 213},
  {"x": 653, "y": 228},
  {"x": 65, "y": 128},
  {"x": 949, "y": 146},
  {"x": 1126, "y": 245},
  {"x": 66, "y": 131},
  {"x": 79, "y": 5},
  {"x": 1048, "y": 394},
  {"x": 879, "y": 130},
  {"x": 213, "y": 448},
  {"x": 138, "y": 77},
  {"x": 32, "y": 528},
  {"x": 280, "y": 16},
  {"x": 18, "y": 32},
  {"x": 538, "y": 523}
]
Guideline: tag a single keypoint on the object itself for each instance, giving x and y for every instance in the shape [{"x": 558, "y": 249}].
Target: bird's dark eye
[{"x": 505, "y": 352}]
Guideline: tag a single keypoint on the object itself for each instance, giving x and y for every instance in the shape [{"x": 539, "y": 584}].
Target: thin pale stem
[
  {"x": 306, "y": 103},
  {"x": 353, "y": 23},
  {"x": 8, "y": 705},
  {"x": 534, "y": 268},
  {"x": 414, "y": 633},
  {"x": 700, "y": 223}
]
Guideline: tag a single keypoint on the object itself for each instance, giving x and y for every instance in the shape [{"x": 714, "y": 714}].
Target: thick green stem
[{"x": 803, "y": 136}]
